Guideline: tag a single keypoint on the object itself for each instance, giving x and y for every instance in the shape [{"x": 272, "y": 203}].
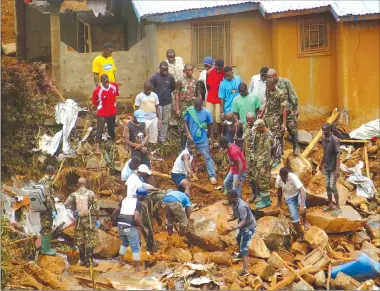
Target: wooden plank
[
  {"x": 354, "y": 141},
  {"x": 317, "y": 258},
  {"x": 334, "y": 116},
  {"x": 366, "y": 160}
]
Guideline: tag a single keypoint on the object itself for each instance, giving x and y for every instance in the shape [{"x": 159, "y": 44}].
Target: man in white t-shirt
[
  {"x": 148, "y": 102},
  {"x": 257, "y": 86},
  {"x": 295, "y": 196},
  {"x": 182, "y": 171},
  {"x": 134, "y": 181}
]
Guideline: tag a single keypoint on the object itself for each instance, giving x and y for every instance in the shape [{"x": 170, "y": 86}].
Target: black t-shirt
[{"x": 163, "y": 86}]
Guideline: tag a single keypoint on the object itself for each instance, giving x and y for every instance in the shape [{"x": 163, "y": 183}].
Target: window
[
  {"x": 313, "y": 37},
  {"x": 210, "y": 38}
]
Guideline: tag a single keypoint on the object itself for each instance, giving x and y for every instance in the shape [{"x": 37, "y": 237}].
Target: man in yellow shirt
[{"x": 104, "y": 64}]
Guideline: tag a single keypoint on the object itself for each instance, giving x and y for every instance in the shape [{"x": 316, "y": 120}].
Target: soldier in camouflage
[
  {"x": 48, "y": 216},
  {"x": 262, "y": 145},
  {"x": 291, "y": 108},
  {"x": 274, "y": 112},
  {"x": 83, "y": 201},
  {"x": 187, "y": 89}
]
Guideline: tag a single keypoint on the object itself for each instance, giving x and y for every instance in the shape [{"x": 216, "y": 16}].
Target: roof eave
[
  {"x": 349, "y": 18},
  {"x": 295, "y": 12}
]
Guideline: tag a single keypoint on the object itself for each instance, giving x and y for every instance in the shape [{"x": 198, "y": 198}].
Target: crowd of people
[{"x": 246, "y": 122}]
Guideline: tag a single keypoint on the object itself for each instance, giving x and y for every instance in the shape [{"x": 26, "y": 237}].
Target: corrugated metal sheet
[
  {"x": 282, "y": 6},
  {"x": 346, "y": 8}
]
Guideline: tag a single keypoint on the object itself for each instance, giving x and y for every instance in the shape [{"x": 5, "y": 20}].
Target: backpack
[
  {"x": 81, "y": 200},
  {"x": 37, "y": 198}
]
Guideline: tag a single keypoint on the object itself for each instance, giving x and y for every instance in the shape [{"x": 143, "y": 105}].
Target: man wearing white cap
[
  {"x": 134, "y": 181},
  {"x": 136, "y": 137}
]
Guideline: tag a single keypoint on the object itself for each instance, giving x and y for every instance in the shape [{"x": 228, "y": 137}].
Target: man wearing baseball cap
[
  {"x": 207, "y": 62},
  {"x": 261, "y": 164},
  {"x": 136, "y": 136}
]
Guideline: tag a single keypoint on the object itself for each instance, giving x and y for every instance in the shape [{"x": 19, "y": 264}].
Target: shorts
[
  {"x": 214, "y": 107},
  {"x": 152, "y": 128},
  {"x": 244, "y": 238},
  {"x": 177, "y": 179},
  {"x": 175, "y": 212},
  {"x": 330, "y": 181},
  {"x": 293, "y": 204}
]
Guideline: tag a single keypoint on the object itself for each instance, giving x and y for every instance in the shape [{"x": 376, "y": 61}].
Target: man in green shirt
[{"x": 245, "y": 102}]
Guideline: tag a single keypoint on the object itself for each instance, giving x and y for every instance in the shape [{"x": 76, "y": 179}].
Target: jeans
[
  {"x": 110, "y": 127},
  {"x": 165, "y": 112},
  {"x": 229, "y": 182},
  {"x": 330, "y": 180},
  {"x": 204, "y": 149},
  {"x": 129, "y": 237},
  {"x": 243, "y": 239},
  {"x": 293, "y": 204}
]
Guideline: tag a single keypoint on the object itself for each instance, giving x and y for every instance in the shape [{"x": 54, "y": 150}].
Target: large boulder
[
  {"x": 177, "y": 255},
  {"x": 274, "y": 231},
  {"x": 316, "y": 237},
  {"x": 348, "y": 220},
  {"x": 207, "y": 225},
  {"x": 260, "y": 268},
  {"x": 220, "y": 258},
  {"x": 258, "y": 249},
  {"x": 301, "y": 167},
  {"x": 107, "y": 245},
  {"x": 56, "y": 264},
  {"x": 316, "y": 194}
]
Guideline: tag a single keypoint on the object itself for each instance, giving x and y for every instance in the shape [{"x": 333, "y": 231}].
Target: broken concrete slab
[
  {"x": 320, "y": 199},
  {"x": 359, "y": 237},
  {"x": 345, "y": 282},
  {"x": 316, "y": 237},
  {"x": 299, "y": 248},
  {"x": 274, "y": 231},
  {"x": 109, "y": 246},
  {"x": 9, "y": 49},
  {"x": 348, "y": 220},
  {"x": 358, "y": 200},
  {"x": 55, "y": 264},
  {"x": 258, "y": 249},
  {"x": 320, "y": 279},
  {"x": 373, "y": 226},
  {"x": 304, "y": 137}
]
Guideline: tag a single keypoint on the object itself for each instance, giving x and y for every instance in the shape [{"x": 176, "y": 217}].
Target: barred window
[
  {"x": 313, "y": 37},
  {"x": 210, "y": 38}
]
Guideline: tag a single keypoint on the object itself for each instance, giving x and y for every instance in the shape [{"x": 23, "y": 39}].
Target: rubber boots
[
  {"x": 89, "y": 259},
  {"x": 82, "y": 255},
  {"x": 45, "y": 246},
  {"x": 264, "y": 203},
  {"x": 296, "y": 149}
]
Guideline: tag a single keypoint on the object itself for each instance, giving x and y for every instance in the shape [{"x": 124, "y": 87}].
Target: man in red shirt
[
  {"x": 214, "y": 77},
  {"x": 238, "y": 170},
  {"x": 104, "y": 97}
]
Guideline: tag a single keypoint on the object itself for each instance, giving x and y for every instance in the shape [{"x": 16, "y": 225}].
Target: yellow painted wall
[
  {"x": 313, "y": 77},
  {"x": 250, "y": 41},
  {"x": 358, "y": 70}
]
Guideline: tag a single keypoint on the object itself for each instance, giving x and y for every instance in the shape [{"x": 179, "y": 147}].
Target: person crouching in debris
[
  {"x": 295, "y": 196},
  {"x": 84, "y": 202},
  {"x": 128, "y": 217},
  {"x": 246, "y": 226},
  {"x": 238, "y": 170},
  {"x": 177, "y": 208},
  {"x": 182, "y": 171},
  {"x": 104, "y": 97},
  {"x": 47, "y": 216}
]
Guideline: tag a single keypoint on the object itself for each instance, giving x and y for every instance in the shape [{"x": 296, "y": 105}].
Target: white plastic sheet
[
  {"x": 367, "y": 131},
  {"x": 97, "y": 6}
]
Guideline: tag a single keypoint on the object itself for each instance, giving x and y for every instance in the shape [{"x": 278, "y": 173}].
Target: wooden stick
[
  {"x": 292, "y": 270},
  {"x": 59, "y": 94},
  {"x": 165, "y": 176},
  {"x": 334, "y": 116},
  {"x": 290, "y": 279},
  {"x": 366, "y": 160},
  {"x": 328, "y": 277},
  {"x": 59, "y": 171},
  {"x": 26, "y": 239},
  {"x": 354, "y": 141}
]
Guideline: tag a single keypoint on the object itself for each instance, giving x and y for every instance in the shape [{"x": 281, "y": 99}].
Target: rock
[
  {"x": 201, "y": 258},
  {"x": 260, "y": 268},
  {"x": 304, "y": 137},
  {"x": 370, "y": 250},
  {"x": 359, "y": 237},
  {"x": 348, "y": 220},
  {"x": 258, "y": 249},
  {"x": 235, "y": 285},
  {"x": 108, "y": 246},
  {"x": 177, "y": 255},
  {"x": 320, "y": 279},
  {"x": 9, "y": 49},
  {"x": 205, "y": 233},
  {"x": 29, "y": 281},
  {"x": 107, "y": 203},
  {"x": 299, "y": 248},
  {"x": 229, "y": 274},
  {"x": 222, "y": 224},
  {"x": 321, "y": 199},
  {"x": 345, "y": 282},
  {"x": 220, "y": 258},
  {"x": 274, "y": 231},
  {"x": 316, "y": 237},
  {"x": 96, "y": 162},
  {"x": 55, "y": 264},
  {"x": 300, "y": 286},
  {"x": 46, "y": 277},
  {"x": 373, "y": 226},
  {"x": 301, "y": 167},
  {"x": 310, "y": 279},
  {"x": 345, "y": 183}
]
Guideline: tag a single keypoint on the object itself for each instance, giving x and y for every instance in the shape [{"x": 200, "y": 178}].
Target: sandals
[
  {"x": 328, "y": 209},
  {"x": 336, "y": 212}
]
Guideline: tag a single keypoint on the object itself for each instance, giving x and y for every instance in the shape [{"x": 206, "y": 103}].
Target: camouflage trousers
[
  {"x": 261, "y": 177},
  {"x": 249, "y": 158},
  {"x": 274, "y": 125},
  {"x": 85, "y": 232},
  {"x": 180, "y": 120},
  {"x": 46, "y": 222},
  {"x": 292, "y": 122}
]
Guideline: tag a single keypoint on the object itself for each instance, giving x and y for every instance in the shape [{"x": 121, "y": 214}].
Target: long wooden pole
[
  {"x": 366, "y": 160},
  {"x": 167, "y": 177},
  {"x": 290, "y": 279},
  {"x": 334, "y": 116}
]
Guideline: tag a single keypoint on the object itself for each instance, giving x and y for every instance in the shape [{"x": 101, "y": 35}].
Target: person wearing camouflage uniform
[
  {"x": 187, "y": 89},
  {"x": 275, "y": 117},
  {"x": 47, "y": 216},
  {"x": 262, "y": 145},
  {"x": 86, "y": 222},
  {"x": 291, "y": 108}
]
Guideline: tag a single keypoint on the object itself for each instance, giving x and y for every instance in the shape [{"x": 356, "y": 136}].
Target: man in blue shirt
[
  {"x": 228, "y": 90},
  {"x": 177, "y": 208},
  {"x": 198, "y": 124}
]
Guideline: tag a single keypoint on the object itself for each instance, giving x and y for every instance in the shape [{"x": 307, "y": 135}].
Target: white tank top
[{"x": 179, "y": 164}]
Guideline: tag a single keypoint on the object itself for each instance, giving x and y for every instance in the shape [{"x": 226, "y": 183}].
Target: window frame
[
  {"x": 200, "y": 67},
  {"x": 322, "y": 51}
]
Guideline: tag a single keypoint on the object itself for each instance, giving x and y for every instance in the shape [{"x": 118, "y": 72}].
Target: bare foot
[{"x": 121, "y": 264}]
